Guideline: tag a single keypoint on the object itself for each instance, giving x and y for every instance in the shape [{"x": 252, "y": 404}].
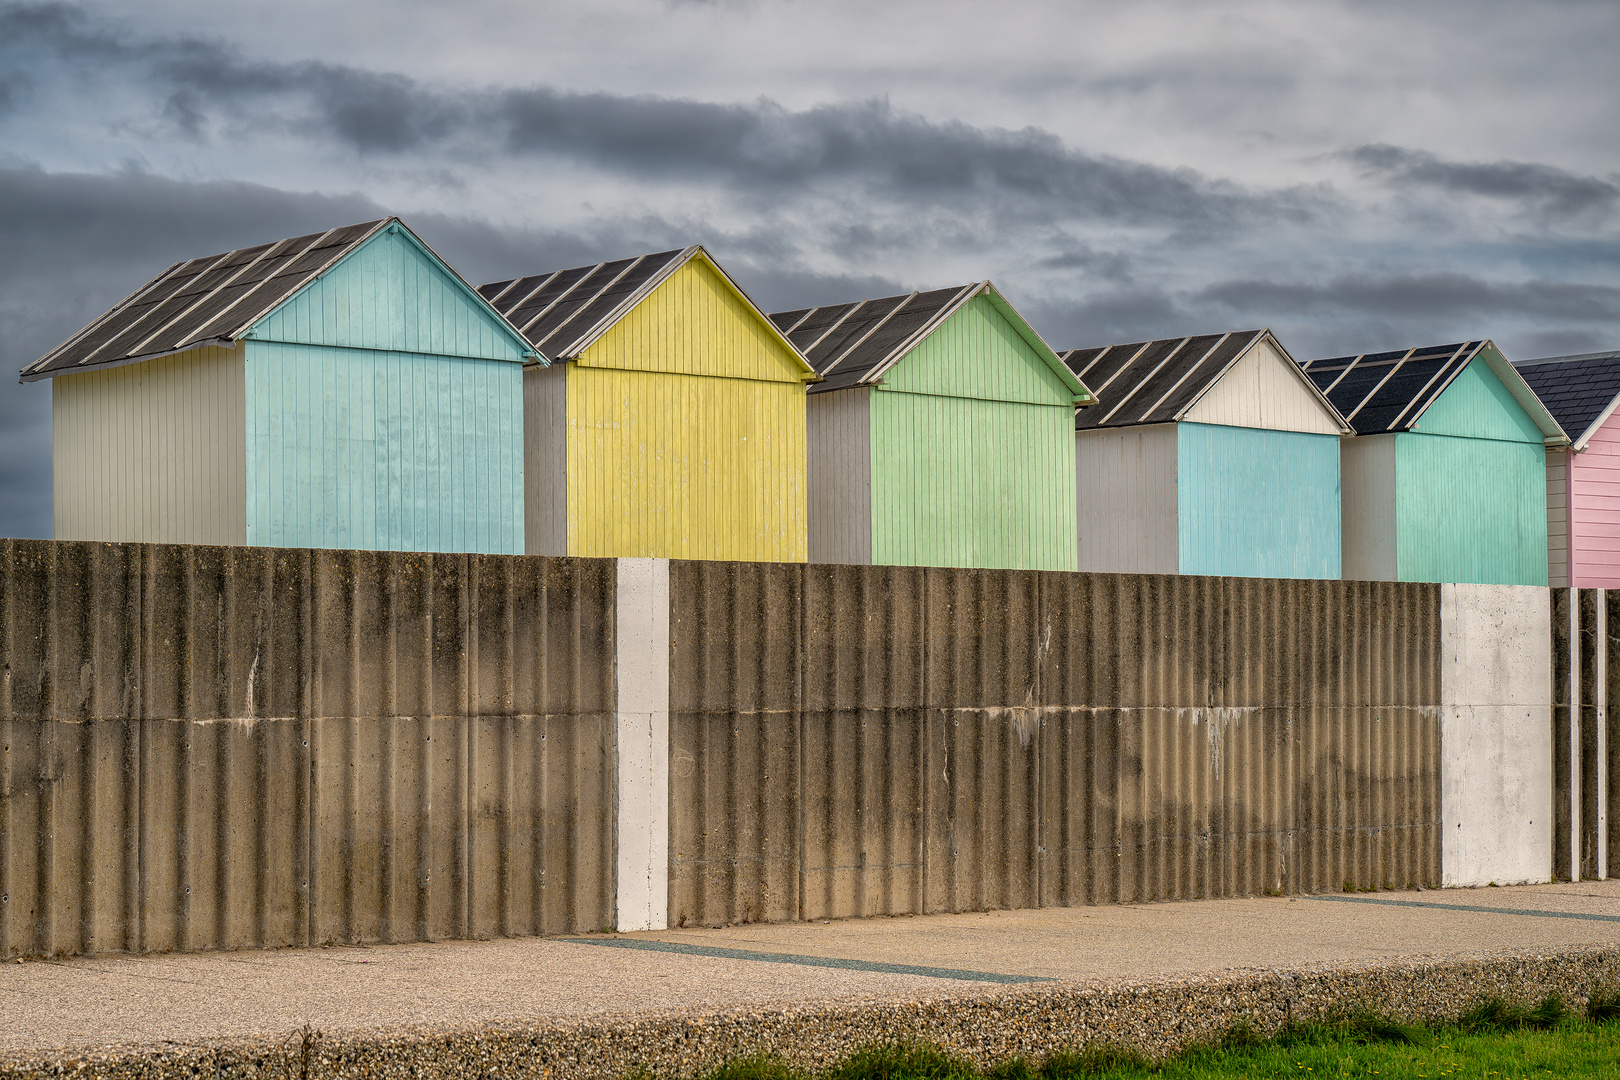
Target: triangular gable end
[
  {"x": 1047, "y": 355},
  {"x": 977, "y": 353},
  {"x": 1262, "y": 387},
  {"x": 732, "y": 338},
  {"x": 393, "y": 293},
  {"x": 1478, "y": 403},
  {"x": 1511, "y": 381}
]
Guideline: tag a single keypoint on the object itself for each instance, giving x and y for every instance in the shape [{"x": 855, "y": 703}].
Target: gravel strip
[{"x": 1157, "y": 1016}]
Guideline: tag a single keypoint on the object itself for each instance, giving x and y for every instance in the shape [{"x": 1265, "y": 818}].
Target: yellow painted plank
[
  {"x": 695, "y": 323},
  {"x": 677, "y": 466}
]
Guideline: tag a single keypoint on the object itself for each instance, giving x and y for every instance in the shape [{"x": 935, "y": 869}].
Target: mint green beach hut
[{"x": 941, "y": 433}]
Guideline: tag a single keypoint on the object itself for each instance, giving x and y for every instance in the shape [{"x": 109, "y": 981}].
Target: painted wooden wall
[
  {"x": 1257, "y": 503},
  {"x": 1471, "y": 488},
  {"x": 839, "y": 463},
  {"x": 151, "y": 452},
  {"x": 1595, "y": 510},
  {"x": 686, "y": 432},
  {"x": 1126, "y": 514},
  {"x": 1367, "y": 502},
  {"x": 972, "y": 452},
  {"x": 1264, "y": 389},
  {"x": 1558, "y": 518},
  {"x": 392, "y": 451}
]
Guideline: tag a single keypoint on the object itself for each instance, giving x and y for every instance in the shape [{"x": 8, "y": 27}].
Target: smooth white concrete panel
[
  {"x": 641, "y": 729},
  {"x": 1496, "y": 775}
]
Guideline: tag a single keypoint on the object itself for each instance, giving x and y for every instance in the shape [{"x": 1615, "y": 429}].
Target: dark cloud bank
[{"x": 1112, "y": 249}]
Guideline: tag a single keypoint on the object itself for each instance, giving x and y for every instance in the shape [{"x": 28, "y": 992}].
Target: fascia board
[
  {"x": 24, "y": 375},
  {"x": 967, "y": 292},
  {"x": 1553, "y": 434},
  {"x": 574, "y": 349},
  {"x": 1592, "y": 428},
  {"x": 222, "y": 343},
  {"x": 245, "y": 328},
  {"x": 1082, "y": 394}
]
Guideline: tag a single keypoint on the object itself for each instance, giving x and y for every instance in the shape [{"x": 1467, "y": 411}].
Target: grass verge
[{"x": 1495, "y": 1040}]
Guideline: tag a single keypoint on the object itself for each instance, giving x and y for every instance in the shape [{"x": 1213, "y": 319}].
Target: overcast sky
[{"x": 1356, "y": 176}]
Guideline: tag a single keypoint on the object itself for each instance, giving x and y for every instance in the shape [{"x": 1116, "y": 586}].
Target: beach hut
[
  {"x": 670, "y": 422},
  {"x": 1446, "y": 479},
  {"x": 1583, "y": 479},
  {"x": 1209, "y": 454},
  {"x": 341, "y": 389},
  {"x": 939, "y": 435}
]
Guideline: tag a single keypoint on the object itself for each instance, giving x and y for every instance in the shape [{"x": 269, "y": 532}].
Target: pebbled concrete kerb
[{"x": 1158, "y": 1016}]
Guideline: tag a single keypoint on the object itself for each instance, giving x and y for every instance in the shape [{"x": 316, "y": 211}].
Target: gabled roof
[
  {"x": 1158, "y": 382},
  {"x": 563, "y": 312},
  {"x": 1580, "y": 391},
  {"x": 854, "y": 344},
  {"x": 212, "y": 300},
  {"x": 1389, "y": 391}
]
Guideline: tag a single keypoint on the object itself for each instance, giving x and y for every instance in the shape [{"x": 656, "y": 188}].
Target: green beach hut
[{"x": 941, "y": 434}]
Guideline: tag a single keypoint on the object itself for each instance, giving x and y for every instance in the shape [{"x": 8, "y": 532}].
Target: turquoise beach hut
[
  {"x": 344, "y": 389},
  {"x": 1446, "y": 478},
  {"x": 1209, "y": 454}
]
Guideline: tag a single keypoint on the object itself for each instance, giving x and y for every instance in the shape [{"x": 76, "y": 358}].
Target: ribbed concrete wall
[
  {"x": 216, "y": 747},
  {"x": 864, "y": 740},
  {"x": 1586, "y": 772}
]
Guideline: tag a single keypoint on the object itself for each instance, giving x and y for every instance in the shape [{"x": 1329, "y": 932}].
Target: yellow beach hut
[{"x": 671, "y": 422}]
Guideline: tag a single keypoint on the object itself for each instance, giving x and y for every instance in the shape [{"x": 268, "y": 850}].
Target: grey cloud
[
  {"x": 1435, "y": 296},
  {"x": 760, "y": 150},
  {"x": 1543, "y": 188}
]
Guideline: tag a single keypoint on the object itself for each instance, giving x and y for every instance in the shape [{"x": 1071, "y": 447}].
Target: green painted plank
[
  {"x": 966, "y": 482},
  {"x": 1470, "y": 510},
  {"x": 977, "y": 353},
  {"x": 1257, "y": 503},
  {"x": 1477, "y": 406}
]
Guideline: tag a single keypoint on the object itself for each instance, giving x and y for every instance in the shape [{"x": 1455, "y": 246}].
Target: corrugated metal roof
[
  {"x": 853, "y": 344},
  {"x": 212, "y": 299},
  {"x": 1153, "y": 382},
  {"x": 1580, "y": 391},
  {"x": 1388, "y": 391}
]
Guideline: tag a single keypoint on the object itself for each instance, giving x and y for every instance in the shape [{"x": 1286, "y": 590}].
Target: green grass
[{"x": 1495, "y": 1040}]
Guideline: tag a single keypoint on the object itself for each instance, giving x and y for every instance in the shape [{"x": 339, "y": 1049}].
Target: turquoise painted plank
[
  {"x": 396, "y": 451},
  {"x": 1470, "y": 510},
  {"x": 1477, "y": 406},
  {"x": 392, "y": 294},
  {"x": 1257, "y": 503}
]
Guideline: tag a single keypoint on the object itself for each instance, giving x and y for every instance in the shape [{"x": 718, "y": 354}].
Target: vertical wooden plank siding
[
  {"x": 685, "y": 467},
  {"x": 972, "y": 452},
  {"x": 1367, "y": 501},
  {"x": 1263, "y": 390},
  {"x": 1595, "y": 510},
  {"x": 1127, "y": 499},
  {"x": 970, "y": 483},
  {"x": 839, "y": 474},
  {"x": 686, "y": 432},
  {"x": 361, "y": 448},
  {"x": 390, "y": 294},
  {"x": 1471, "y": 488},
  {"x": 1257, "y": 503},
  {"x": 151, "y": 452},
  {"x": 1558, "y": 547},
  {"x": 1470, "y": 510},
  {"x": 545, "y": 459}
]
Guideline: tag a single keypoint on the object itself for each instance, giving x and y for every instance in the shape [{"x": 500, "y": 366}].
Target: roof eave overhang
[{"x": 222, "y": 343}]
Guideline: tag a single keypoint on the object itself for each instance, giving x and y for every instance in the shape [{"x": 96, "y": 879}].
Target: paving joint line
[
  {"x": 807, "y": 961},
  {"x": 1473, "y": 907}
]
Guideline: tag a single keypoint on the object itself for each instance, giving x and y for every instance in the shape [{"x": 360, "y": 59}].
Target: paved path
[{"x": 202, "y": 997}]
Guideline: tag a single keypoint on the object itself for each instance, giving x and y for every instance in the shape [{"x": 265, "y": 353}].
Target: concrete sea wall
[{"x": 210, "y": 747}]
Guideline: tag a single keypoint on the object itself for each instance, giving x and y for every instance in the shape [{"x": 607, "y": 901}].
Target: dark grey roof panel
[
  {"x": 815, "y": 325},
  {"x": 846, "y": 343},
  {"x": 201, "y": 300},
  {"x": 1080, "y": 359},
  {"x": 832, "y": 348},
  {"x": 1202, "y": 361},
  {"x": 1151, "y": 382},
  {"x": 555, "y": 310},
  {"x": 1388, "y": 391},
  {"x": 1575, "y": 389}
]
